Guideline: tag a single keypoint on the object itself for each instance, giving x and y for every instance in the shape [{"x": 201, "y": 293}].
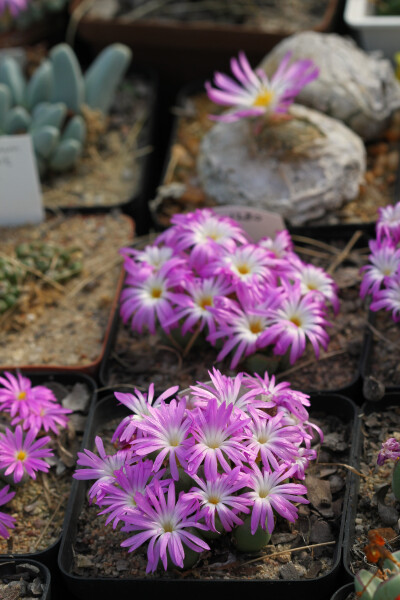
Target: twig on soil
[
  {"x": 313, "y": 242},
  {"x": 46, "y": 489},
  {"x": 49, "y": 522},
  {"x": 345, "y": 252},
  {"x": 82, "y": 284},
  {"x": 381, "y": 336},
  {"x": 106, "y": 388},
  {"x": 289, "y": 551},
  {"x": 32, "y": 270},
  {"x": 174, "y": 351},
  {"x": 309, "y": 362},
  {"x": 335, "y": 464}
]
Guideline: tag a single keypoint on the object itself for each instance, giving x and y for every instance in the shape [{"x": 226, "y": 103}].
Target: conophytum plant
[{"x": 49, "y": 105}]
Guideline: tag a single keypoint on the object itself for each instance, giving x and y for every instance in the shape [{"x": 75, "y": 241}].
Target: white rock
[
  {"x": 301, "y": 169},
  {"x": 358, "y": 88}
]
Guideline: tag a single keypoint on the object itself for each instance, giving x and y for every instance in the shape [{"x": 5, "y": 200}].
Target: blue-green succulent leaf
[
  {"x": 5, "y": 103},
  {"x": 66, "y": 155},
  {"x": 11, "y": 74},
  {"x": 17, "y": 120},
  {"x": 40, "y": 85},
  {"x": 75, "y": 130},
  {"x": 104, "y": 76},
  {"x": 49, "y": 114},
  {"x": 68, "y": 80},
  {"x": 45, "y": 140},
  {"x": 364, "y": 579}
]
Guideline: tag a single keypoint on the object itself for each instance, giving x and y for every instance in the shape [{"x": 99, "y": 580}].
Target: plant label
[
  {"x": 20, "y": 193},
  {"x": 256, "y": 222}
]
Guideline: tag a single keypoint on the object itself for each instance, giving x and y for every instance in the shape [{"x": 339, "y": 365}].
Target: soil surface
[
  {"x": 273, "y": 16},
  {"x": 376, "y": 506},
  {"x": 385, "y": 356},
  {"x": 39, "y": 505},
  {"x": 22, "y": 580},
  {"x": 98, "y": 553},
  {"x": 110, "y": 171},
  {"x": 64, "y": 323},
  {"x": 193, "y": 122},
  {"x": 137, "y": 360}
]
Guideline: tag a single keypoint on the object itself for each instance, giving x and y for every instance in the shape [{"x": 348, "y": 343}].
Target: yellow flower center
[
  {"x": 156, "y": 293},
  {"x": 21, "y": 455},
  {"x": 213, "y": 500},
  {"x": 255, "y": 327},
  {"x": 206, "y": 301},
  {"x": 21, "y": 396},
  {"x": 296, "y": 321},
  {"x": 243, "y": 269},
  {"x": 264, "y": 98}
]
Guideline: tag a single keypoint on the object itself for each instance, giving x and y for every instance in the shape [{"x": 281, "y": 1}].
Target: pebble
[{"x": 288, "y": 571}]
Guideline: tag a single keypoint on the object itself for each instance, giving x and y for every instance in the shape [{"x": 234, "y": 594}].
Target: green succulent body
[
  {"x": 373, "y": 588},
  {"x": 49, "y": 105}
]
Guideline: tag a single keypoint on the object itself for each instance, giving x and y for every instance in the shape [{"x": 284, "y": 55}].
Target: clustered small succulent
[
  {"x": 49, "y": 107},
  {"x": 220, "y": 459},
  {"x": 203, "y": 275},
  {"x": 381, "y": 277},
  {"x": 27, "y": 413}
]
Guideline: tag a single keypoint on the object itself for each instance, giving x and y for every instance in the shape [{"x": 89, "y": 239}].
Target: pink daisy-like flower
[
  {"x": 217, "y": 436},
  {"x": 205, "y": 233},
  {"x": 225, "y": 390},
  {"x": 218, "y": 498},
  {"x": 152, "y": 256},
  {"x": 389, "y": 298},
  {"x": 388, "y": 223},
  {"x": 194, "y": 305},
  {"x": 6, "y": 521},
  {"x": 302, "y": 460},
  {"x": 242, "y": 326},
  {"x": 139, "y": 404},
  {"x": 119, "y": 497},
  {"x": 248, "y": 265},
  {"x": 21, "y": 455},
  {"x": 270, "y": 492},
  {"x": 390, "y": 451},
  {"x": 16, "y": 394},
  {"x": 164, "y": 523},
  {"x": 316, "y": 280},
  {"x": 13, "y": 6},
  {"x": 297, "y": 319},
  {"x": 166, "y": 431},
  {"x": 103, "y": 468},
  {"x": 384, "y": 262},
  {"x": 254, "y": 94},
  {"x": 272, "y": 442},
  {"x": 148, "y": 296},
  {"x": 45, "y": 415},
  {"x": 280, "y": 246}
]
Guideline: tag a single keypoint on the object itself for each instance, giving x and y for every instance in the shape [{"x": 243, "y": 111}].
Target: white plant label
[
  {"x": 256, "y": 222},
  {"x": 20, "y": 194}
]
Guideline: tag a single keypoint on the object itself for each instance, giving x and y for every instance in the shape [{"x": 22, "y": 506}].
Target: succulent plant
[
  {"x": 55, "y": 262},
  {"x": 49, "y": 105},
  {"x": 369, "y": 587},
  {"x": 11, "y": 277}
]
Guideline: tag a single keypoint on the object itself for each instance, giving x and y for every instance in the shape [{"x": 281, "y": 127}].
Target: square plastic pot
[
  {"x": 48, "y": 556},
  {"x": 373, "y": 32},
  {"x": 103, "y": 588},
  {"x": 11, "y": 568}
]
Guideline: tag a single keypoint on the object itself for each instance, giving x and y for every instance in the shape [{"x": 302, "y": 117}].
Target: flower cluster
[
  {"x": 26, "y": 411},
  {"x": 381, "y": 277},
  {"x": 202, "y": 275},
  {"x": 254, "y": 94},
  {"x": 14, "y": 7},
  {"x": 390, "y": 451},
  {"x": 187, "y": 465}
]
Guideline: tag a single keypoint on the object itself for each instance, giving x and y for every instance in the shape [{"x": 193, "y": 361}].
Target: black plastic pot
[
  {"x": 135, "y": 205},
  {"x": 11, "y": 570},
  {"x": 344, "y": 592},
  {"x": 48, "y": 556},
  {"x": 102, "y": 587},
  {"x": 390, "y": 399}
]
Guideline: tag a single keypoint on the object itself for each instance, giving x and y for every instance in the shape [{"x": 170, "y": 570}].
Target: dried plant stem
[
  {"x": 81, "y": 10},
  {"x": 49, "y": 522},
  {"x": 345, "y": 252},
  {"x": 289, "y": 551},
  {"x": 313, "y": 242},
  {"x": 192, "y": 340},
  {"x": 380, "y": 335},
  {"x": 106, "y": 388},
  {"x": 105, "y": 267},
  {"x": 39, "y": 274},
  {"x": 309, "y": 362},
  {"x": 336, "y": 464}
]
